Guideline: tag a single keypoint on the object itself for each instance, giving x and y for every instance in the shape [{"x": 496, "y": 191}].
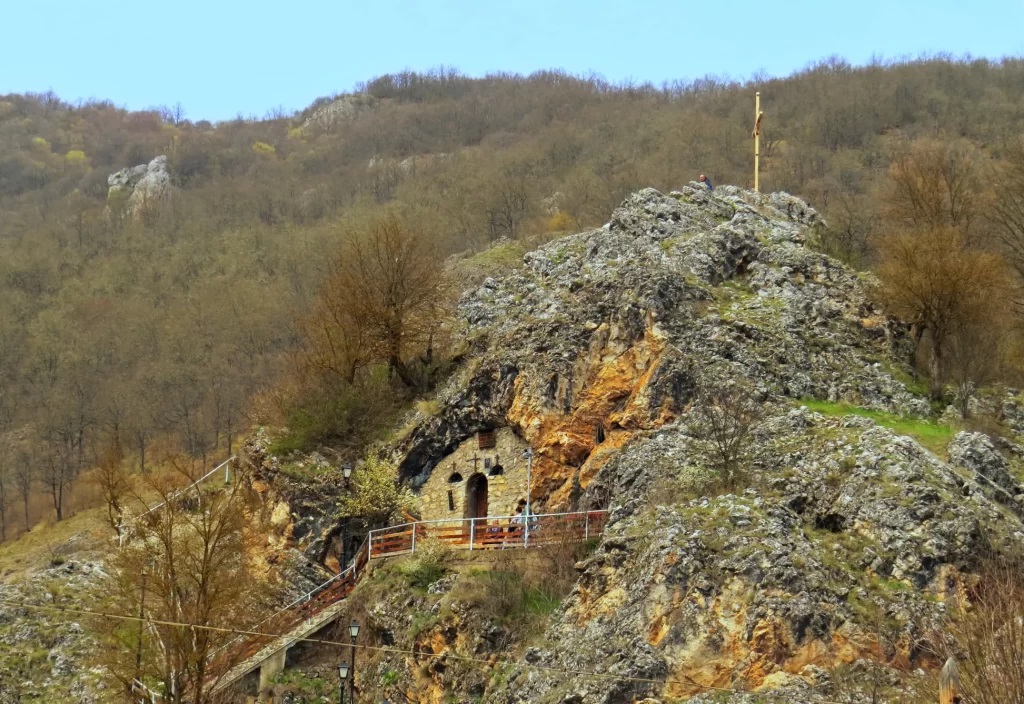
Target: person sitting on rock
[{"x": 707, "y": 182}]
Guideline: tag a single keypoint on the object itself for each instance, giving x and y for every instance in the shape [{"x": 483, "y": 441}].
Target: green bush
[
  {"x": 429, "y": 564},
  {"x": 338, "y": 414},
  {"x": 421, "y": 574}
]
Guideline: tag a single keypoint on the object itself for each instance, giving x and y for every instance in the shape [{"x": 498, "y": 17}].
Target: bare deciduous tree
[
  {"x": 508, "y": 204},
  {"x": 112, "y": 481},
  {"x": 384, "y": 301},
  {"x": 852, "y": 224},
  {"x": 24, "y": 476},
  {"x": 7, "y": 453},
  {"x": 988, "y": 637},
  {"x": 973, "y": 354},
  {"x": 1007, "y": 212},
  {"x": 933, "y": 280},
  {"x": 193, "y": 562},
  {"x": 723, "y": 419},
  {"x": 934, "y": 185}
]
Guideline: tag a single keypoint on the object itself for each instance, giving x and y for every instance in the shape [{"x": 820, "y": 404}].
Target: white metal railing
[
  {"x": 174, "y": 495},
  {"x": 488, "y": 532},
  {"x": 122, "y": 529},
  {"x": 467, "y": 533},
  {"x": 305, "y": 598},
  {"x": 140, "y": 689}
]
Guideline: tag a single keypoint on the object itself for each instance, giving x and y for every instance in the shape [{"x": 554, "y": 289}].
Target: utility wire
[{"x": 401, "y": 651}]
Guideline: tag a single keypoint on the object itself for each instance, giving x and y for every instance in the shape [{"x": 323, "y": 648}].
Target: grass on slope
[
  {"x": 932, "y": 436},
  {"x": 45, "y": 543}
]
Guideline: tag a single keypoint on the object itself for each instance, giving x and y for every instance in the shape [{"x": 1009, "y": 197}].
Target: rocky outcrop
[
  {"x": 833, "y": 550},
  {"x": 842, "y": 539},
  {"x": 42, "y": 652},
  {"x": 842, "y": 548},
  {"x": 338, "y": 111},
  {"x": 609, "y": 327},
  {"x": 140, "y": 187},
  {"x": 977, "y": 453}
]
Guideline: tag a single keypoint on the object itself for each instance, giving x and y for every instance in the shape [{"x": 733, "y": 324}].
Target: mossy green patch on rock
[{"x": 931, "y": 435}]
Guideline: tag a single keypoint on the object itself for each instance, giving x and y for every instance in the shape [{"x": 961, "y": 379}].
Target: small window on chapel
[
  {"x": 485, "y": 439},
  {"x": 451, "y": 500},
  {"x": 455, "y": 478}
]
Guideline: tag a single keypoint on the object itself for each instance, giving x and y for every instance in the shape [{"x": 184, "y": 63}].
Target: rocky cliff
[
  {"x": 140, "y": 187},
  {"x": 846, "y": 534},
  {"x": 603, "y": 333}
]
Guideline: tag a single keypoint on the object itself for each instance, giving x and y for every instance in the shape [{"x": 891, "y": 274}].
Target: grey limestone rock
[
  {"x": 147, "y": 184},
  {"x": 978, "y": 453}
]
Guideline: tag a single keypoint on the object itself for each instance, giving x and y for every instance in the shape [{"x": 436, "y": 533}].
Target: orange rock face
[{"x": 608, "y": 404}]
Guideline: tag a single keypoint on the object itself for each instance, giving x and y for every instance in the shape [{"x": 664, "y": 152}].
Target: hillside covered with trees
[{"x": 173, "y": 325}]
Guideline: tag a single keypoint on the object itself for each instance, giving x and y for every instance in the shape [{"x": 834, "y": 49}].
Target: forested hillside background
[{"x": 174, "y": 328}]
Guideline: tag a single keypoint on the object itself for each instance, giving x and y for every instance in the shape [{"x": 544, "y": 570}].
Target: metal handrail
[
  {"x": 528, "y": 522},
  {"x": 146, "y": 691},
  {"x": 122, "y": 528},
  {"x": 351, "y": 570},
  {"x": 184, "y": 490},
  {"x": 532, "y": 516},
  {"x": 356, "y": 567},
  {"x": 307, "y": 597}
]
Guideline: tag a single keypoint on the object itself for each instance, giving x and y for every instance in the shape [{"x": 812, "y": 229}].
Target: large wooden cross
[{"x": 756, "y": 134}]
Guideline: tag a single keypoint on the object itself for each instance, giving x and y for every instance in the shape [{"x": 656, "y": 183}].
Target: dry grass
[
  {"x": 85, "y": 517},
  {"x": 35, "y": 549}
]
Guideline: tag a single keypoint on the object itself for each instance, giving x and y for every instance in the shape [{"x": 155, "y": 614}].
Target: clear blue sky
[{"x": 220, "y": 58}]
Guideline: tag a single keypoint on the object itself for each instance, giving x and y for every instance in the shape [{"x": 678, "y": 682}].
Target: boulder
[
  {"x": 977, "y": 452},
  {"x": 146, "y": 185}
]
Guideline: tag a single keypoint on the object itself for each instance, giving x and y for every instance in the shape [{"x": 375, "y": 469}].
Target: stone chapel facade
[{"x": 484, "y": 476}]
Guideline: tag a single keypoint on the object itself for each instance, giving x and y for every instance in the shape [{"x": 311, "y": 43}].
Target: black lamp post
[
  {"x": 353, "y": 630},
  {"x": 346, "y": 472},
  {"x": 342, "y": 676}
]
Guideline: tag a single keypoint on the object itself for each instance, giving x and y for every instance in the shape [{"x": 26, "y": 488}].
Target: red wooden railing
[{"x": 491, "y": 533}]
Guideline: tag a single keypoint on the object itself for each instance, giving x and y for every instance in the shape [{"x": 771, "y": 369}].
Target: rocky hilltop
[
  {"x": 608, "y": 329},
  {"x": 846, "y": 534}
]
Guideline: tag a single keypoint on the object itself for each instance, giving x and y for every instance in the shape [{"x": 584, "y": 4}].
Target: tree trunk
[
  {"x": 916, "y": 333},
  {"x": 58, "y": 499},
  {"x": 935, "y": 370},
  {"x": 399, "y": 369}
]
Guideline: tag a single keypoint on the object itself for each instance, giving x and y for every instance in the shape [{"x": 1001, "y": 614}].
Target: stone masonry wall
[{"x": 504, "y": 490}]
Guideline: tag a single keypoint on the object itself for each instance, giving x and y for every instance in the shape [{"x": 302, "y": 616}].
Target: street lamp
[
  {"x": 346, "y": 471},
  {"x": 353, "y": 630},
  {"x": 342, "y": 677}
]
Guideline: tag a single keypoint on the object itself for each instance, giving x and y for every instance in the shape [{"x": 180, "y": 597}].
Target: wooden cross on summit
[{"x": 756, "y": 135}]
